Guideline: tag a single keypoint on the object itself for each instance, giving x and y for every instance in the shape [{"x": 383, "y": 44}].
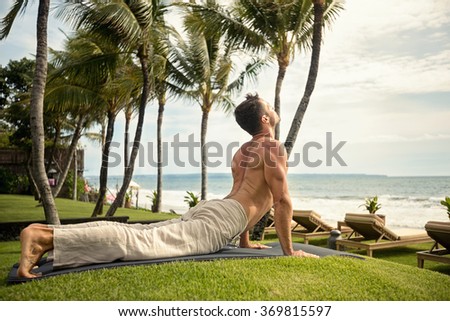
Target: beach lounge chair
[
  {"x": 440, "y": 233},
  {"x": 310, "y": 225},
  {"x": 270, "y": 226},
  {"x": 374, "y": 235}
]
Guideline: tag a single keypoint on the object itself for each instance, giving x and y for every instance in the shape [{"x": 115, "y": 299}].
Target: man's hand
[
  {"x": 256, "y": 246},
  {"x": 304, "y": 254},
  {"x": 244, "y": 243}
]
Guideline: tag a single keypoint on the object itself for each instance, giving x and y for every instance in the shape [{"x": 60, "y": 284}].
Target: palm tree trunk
[
  {"x": 36, "y": 194},
  {"x": 103, "y": 132},
  {"x": 37, "y": 116},
  {"x": 312, "y": 76},
  {"x": 160, "y": 153},
  {"x": 143, "y": 57},
  {"x": 75, "y": 175},
  {"x": 73, "y": 146},
  {"x": 204, "y": 128},
  {"x": 103, "y": 180},
  {"x": 126, "y": 149},
  {"x": 53, "y": 149},
  {"x": 282, "y": 66}
]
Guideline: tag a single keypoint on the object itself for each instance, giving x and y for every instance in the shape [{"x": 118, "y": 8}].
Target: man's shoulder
[
  {"x": 264, "y": 146},
  {"x": 274, "y": 146}
]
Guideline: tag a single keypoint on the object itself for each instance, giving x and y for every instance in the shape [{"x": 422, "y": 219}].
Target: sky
[{"x": 381, "y": 104}]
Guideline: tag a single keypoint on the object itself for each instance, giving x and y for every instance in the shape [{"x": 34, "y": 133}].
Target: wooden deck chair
[
  {"x": 309, "y": 225},
  {"x": 374, "y": 235},
  {"x": 440, "y": 233},
  {"x": 270, "y": 226}
]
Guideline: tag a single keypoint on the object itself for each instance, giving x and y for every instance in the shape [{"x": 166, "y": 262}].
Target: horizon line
[{"x": 305, "y": 174}]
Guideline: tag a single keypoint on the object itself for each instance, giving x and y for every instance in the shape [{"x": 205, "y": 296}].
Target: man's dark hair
[{"x": 248, "y": 114}]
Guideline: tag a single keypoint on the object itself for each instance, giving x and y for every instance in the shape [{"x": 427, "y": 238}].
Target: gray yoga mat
[{"x": 229, "y": 252}]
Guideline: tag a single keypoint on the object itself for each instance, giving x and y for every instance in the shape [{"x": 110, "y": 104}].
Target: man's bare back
[{"x": 249, "y": 184}]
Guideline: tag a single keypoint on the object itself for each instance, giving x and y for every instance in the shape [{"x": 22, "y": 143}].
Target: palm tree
[
  {"x": 126, "y": 23},
  {"x": 86, "y": 64},
  {"x": 285, "y": 25},
  {"x": 37, "y": 101},
  {"x": 279, "y": 27},
  {"x": 128, "y": 110},
  {"x": 141, "y": 14},
  {"x": 161, "y": 62},
  {"x": 94, "y": 85},
  {"x": 159, "y": 71},
  {"x": 68, "y": 94},
  {"x": 78, "y": 130},
  {"x": 205, "y": 66},
  {"x": 312, "y": 76},
  {"x": 118, "y": 93},
  {"x": 129, "y": 74},
  {"x": 162, "y": 70}
]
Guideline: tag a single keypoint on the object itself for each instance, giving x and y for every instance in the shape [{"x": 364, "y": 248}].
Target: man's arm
[
  {"x": 275, "y": 172},
  {"x": 244, "y": 242}
]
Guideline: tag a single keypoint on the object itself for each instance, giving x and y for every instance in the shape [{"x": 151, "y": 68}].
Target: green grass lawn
[
  {"x": 25, "y": 208},
  {"x": 391, "y": 275}
]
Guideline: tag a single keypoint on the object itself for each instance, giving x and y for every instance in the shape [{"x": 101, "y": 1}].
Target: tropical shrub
[
  {"x": 191, "y": 199},
  {"x": 372, "y": 205},
  {"x": 446, "y": 203}
]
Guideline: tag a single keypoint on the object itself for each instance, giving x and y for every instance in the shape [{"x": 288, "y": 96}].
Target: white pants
[{"x": 204, "y": 229}]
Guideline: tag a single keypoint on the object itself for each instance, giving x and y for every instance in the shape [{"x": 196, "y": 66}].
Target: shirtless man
[{"x": 259, "y": 171}]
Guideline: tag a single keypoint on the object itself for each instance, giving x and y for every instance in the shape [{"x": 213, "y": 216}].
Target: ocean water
[{"x": 406, "y": 201}]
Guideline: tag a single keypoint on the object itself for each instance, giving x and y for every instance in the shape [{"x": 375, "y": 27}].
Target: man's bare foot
[
  {"x": 305, "y": 254},
  {"x": 35, "y": 242}
]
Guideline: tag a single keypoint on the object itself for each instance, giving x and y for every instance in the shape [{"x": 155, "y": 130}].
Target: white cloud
[
  {"x": 387, "y": 47},
  {"x": 366, "y": 19},
  {"x": 401, "y": 139},
  {"x": 388, "y": 74}
]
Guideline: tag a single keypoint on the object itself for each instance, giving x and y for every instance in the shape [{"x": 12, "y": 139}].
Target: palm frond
[
  {"x": 122, "y": 22},
  {"x": 90, "y": 59},
  {"x": 250, "y": 73},
  {"x": 72, "y": 97},
  {"x": 216, "y": 19},
  {"x": 226, "y": 104},
  {"x": 96, "y": 137},
  {"x": 7, "y": 22},
  {"x": 331, "y": 12}
]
